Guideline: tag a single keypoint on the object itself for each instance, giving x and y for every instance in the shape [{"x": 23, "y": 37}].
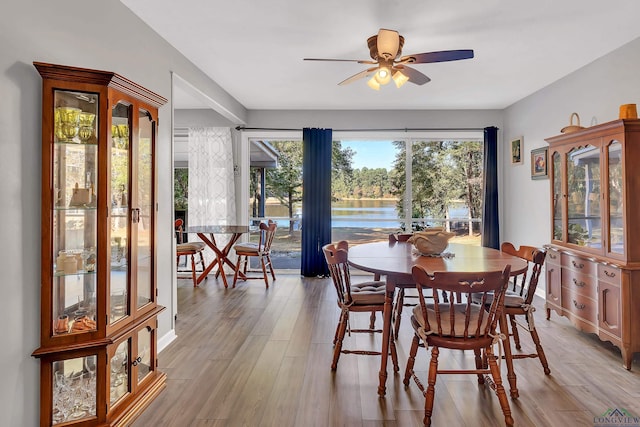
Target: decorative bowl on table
[{"x": 431, "y": 241}]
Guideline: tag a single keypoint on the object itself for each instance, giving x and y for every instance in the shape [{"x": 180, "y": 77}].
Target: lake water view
[
  {"x": 379, "y": 213},
  {"x": 358, "y": 221}
]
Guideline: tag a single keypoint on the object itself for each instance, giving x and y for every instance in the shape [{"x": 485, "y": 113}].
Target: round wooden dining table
[{"x": 394, "y": 260}]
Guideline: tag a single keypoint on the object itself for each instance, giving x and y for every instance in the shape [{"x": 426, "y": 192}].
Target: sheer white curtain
[{"x": 212, "y": 199}]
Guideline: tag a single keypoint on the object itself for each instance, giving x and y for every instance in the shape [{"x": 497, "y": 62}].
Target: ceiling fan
[{"x": 385, "y": 49}]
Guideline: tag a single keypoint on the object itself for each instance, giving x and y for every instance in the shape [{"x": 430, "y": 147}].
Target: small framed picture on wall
[
  {"x": 539, "y": 167},
  {"x": 516, "y": 150}
]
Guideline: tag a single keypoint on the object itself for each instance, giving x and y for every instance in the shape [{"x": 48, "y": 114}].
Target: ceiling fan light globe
[
  {"x": 399, "y": 78},
  {"x": 383, "y": 76},
  {"x": 373, "y": 83}
]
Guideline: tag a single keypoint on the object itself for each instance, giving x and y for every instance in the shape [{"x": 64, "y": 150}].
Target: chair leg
[
  {"x": 540, "y": 351},
  {"x": 394, "y": 354},
  {"x": 479, "y": 364},
  {"x": 264, "y": 271},
  {"x": 412, "y": 360},
  {"x": 514, "y": 331},
  {"x": 202, "y": 261},
  {"x": 511, "y": 375},
  {"x": 335, "y": 336},
  {"x": 193, "y": 271},
  {"x": 372, "y": 320},
  {"x": 273, "y": 273},
  {"x": 431, "y": 388},
  {"x": 497, "y": 380},
  {"x": 342, "y": 327},
  {"x": 398, "y": 312},
  {"x": 235, "y": 275}
]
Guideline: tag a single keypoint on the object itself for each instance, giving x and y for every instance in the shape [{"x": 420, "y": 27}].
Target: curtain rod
[{"x": 370, "y": 130}]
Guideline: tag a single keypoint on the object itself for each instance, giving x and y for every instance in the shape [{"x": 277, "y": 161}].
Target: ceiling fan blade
[
  {"x": 415, "y": 76},
  {"x": 360, "y": 75},
  {"x": 441, "y": 56},
  {"x": 388, "y": 43},
  {"x": 359, "y": 61}
]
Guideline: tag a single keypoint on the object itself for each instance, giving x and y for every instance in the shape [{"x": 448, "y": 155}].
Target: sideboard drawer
[
  {"x": 578, "y": 264},
  {"x": 609, "y": 274},
  {"x": 580, "y": 283},
  {"x": 580, "y": 305},
  {"x": 553, "y": 257}
]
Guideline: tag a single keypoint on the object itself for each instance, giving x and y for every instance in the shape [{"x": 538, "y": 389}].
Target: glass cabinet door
[
  {"x": 74, "y": 389},
  {"x": 145, "y": 209},
  {"x": 556, "y": 174},
  {"x": 145, "y": 360},
  {"x": 583, "y": 197},
  {"x": 616, "y": 197},
  {"x": 119, "y": 372},
  {"x": 75, "y": 168},
  {"x": 119, "y": 215}
]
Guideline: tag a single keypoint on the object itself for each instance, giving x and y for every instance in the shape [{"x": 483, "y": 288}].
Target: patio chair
[
  {"x": 261, "y": 250},
  {"x": 188, "y": 249}
]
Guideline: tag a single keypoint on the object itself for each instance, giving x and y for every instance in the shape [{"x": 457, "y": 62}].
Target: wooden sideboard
[{"x": 593, "y": 261}]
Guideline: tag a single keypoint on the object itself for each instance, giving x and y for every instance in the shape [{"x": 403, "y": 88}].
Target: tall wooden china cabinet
[
  {"x": 98, "y": 355},
  {"x": 593, "y": 262}
]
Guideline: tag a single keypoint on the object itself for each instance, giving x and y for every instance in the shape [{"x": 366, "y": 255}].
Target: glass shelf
[{"x": 74, "y": 208}]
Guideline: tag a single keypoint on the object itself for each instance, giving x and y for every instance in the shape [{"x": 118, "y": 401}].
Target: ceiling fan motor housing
[{"x": 372, "y": 43}]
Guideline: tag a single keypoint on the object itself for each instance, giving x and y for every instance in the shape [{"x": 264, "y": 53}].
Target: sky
[{"x": 372, "y": 154}]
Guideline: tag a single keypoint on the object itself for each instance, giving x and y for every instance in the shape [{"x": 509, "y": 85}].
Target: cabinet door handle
[
  {"x": 609, "y": 274},
  {"x": 578, "y": 306},
  {"x": 576, "y": 265},
  {"x": 136, "y": 361},
  {"x": 552, "y": 256},
  {"x": 578, "y": 284},
  {"x": 551, "y": 270}
]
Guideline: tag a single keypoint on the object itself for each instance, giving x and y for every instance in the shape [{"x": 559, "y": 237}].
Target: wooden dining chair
[
  {"x": 518, "y": 302},
  {"x": 403, "y": 293},
  {"x": 261, "y": 250},
  {"x": 188, "y": 249},
  {"x": 459, "y": 326},
  {"x": 367, "y": 297}
]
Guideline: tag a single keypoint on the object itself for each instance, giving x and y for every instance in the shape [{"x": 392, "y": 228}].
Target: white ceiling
[{"x": 254, "y": 49}]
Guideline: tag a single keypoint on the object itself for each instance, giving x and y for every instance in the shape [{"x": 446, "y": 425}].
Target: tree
[
  {"x": 181, "y": 188},
  {"x": 468, "y": 157},
  {"x": 442, "y": 171},
  {"x": 341, "y": 171},
  {"x": 285, "y": 182}
]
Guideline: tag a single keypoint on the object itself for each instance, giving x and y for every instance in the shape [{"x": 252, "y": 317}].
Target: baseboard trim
[{"x": 166, "y": 339}]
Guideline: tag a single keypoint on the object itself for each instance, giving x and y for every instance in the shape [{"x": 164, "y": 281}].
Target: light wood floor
[{"x": 255, "y": 357}]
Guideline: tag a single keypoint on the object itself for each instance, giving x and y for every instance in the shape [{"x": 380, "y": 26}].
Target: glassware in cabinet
[{"x": 75, "y": 168}]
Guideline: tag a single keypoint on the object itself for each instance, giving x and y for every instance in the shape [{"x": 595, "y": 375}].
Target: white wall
[
  {"x": 98, "y": 34},
  {"x": 375, "y": 119},
  {"x": 595, "y": 92}
]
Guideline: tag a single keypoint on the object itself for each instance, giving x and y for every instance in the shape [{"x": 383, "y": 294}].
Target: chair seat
[
  {"x": 511, "y": 299},
  {"x": 446, "y": 323},
  {"x": 368, "y": 293},
  {"x": 190, "y": 247},
  {"x": 248, "y": 247}
]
